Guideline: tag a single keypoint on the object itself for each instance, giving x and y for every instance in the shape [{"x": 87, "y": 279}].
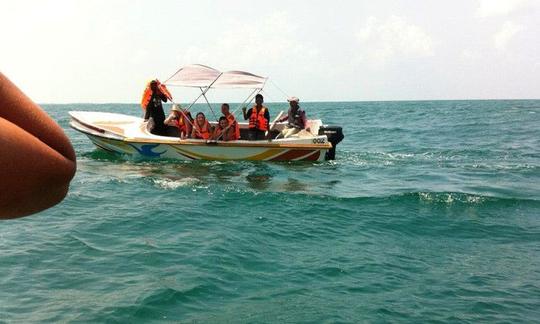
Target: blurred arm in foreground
[{"x": 37, "y": 161}]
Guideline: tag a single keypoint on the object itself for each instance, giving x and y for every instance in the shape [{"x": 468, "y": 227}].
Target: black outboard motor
[{"x": 335, "y": 135}]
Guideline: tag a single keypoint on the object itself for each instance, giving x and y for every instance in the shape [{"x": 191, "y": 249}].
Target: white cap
[
  {"x": 176, "y": 107},
  {"x": 293, "y": 99}
]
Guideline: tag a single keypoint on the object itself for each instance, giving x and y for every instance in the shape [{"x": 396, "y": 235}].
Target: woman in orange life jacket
[
  {"x": 181, "y": 120},
  {"x": 153, "y": 95},
  {"x": 233, "y": 124},
  {"x": 223, "y": 132},
  {"x": 259, "y": 119},
  {"x": 201, "y": 127}
]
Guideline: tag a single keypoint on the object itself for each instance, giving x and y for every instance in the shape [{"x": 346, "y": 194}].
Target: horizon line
[{"x": 308, "y": 101}]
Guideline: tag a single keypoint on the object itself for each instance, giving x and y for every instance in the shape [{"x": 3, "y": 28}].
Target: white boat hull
[{"x": 127, "y": 135}]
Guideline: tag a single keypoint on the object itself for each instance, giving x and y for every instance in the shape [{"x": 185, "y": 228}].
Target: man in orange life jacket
[
  {"x": 259, "y": 119},
  {"x": 154, "y": 110}
]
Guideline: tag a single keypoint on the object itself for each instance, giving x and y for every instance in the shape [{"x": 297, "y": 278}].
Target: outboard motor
[{"x": 335, "y": 135}]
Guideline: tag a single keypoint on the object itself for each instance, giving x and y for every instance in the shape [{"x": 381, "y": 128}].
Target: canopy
[{"x": 201, "y": 76}]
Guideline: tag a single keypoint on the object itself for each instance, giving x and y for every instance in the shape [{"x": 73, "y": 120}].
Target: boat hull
[{"x": 125, "y": 137}]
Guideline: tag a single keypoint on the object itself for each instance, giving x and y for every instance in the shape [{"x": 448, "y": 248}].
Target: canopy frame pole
[
  {"x": 255, "y": 91},
  {"x": 204, "y": 92},
  {"x": 196, "y": 99},
  {"x": 209, "y": 105}
]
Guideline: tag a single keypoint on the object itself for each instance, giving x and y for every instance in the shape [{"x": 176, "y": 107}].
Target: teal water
[{"x": 431, "y": 212}]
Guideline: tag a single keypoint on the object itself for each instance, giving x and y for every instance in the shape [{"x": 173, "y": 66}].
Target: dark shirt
[
  {"x": 155, "y": 111},
  {"x": 296, "y": 119}
]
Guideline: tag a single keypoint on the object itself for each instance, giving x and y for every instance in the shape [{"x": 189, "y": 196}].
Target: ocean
[{"x": 430, "y": 213}]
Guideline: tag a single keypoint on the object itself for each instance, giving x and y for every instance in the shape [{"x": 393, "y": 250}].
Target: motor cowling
[{"x": 335, "y": 136}]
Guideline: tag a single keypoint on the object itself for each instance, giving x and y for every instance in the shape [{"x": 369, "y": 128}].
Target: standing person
[
  {"x": 201, "y": 127},
  {"x": 154, "y": 94},
  {"x": 233, "y": 124},
  {"x": 259, "y": 119},
  {"x": 296, "y": 118}
]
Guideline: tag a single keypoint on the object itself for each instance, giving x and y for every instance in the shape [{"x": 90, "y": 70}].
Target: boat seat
[{"x": 314, "y": 125}]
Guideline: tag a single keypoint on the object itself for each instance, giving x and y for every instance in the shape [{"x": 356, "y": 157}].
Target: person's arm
[
  {"x": 162, "y": 96},
  {"x": 37, "y": 161},
  {"x": 284, "y": 118},
  {"x": 267, "y": 116},
  {"x": 246, "y": 114},
  {"x": 171, "y": 120}
]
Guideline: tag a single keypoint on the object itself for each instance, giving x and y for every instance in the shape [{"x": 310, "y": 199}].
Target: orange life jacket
[
  {"x": 234, "y": 125},
  {"x": 181, "y": 124},
  {"x": 202, "y": 132},
  {"x": 227, "y": 136},
  {"x": 147, "y": 94},
  {"x": 163, "y": 89},
  {"x": 257, "y": 120}
]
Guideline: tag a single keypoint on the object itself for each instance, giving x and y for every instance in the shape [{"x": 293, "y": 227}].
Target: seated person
[
  {"x": 223, "y": 131},
  {"x": 181, "y": 119},
  {"x": 201, "y": 127},
  {"x": 231, "y": 121},
  {"x": 296, "y": 119}
]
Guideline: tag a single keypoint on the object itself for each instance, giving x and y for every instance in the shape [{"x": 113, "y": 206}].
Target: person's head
[
  {"x": 225, "y": 109},
  {"x": 153, "y": 85},
  {"x": 293, "y": 102},
  {"x": 176, "y": 109},
  {"x": 223, "y": 122},
  {"x": 259, "y": 99},
  {"x": 200, "y": 118}
]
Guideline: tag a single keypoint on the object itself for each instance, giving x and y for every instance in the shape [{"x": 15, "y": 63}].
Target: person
[
  {"x": 296, "y": 119},
  {"x": 201, "y": 127},
  {"x": 231, "y": 121},
  {"x": 153, "y": 95},
  {"x": 259, "y": 119},
  {"x": 180, "y": 119},
  {"x": 223, "y": 131},
  {"x": 37, "y": 161}
]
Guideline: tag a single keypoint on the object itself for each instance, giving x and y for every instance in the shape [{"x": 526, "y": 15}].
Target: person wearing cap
[
  {"x": 296, "y": 119},
  {"x": 180, "y": 120},
  {"x": 259, "y": 119}
]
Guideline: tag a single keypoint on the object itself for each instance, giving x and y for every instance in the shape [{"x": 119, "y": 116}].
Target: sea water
[{"x": 430, "y": 212}]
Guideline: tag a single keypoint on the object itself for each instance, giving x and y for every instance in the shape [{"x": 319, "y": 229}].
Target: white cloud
[
  {"x": 506, "y": 33},
  {"x": 384, "y": 40},
  {"x": 271, "y": 40},
  {"x": 488, "y": 8}
]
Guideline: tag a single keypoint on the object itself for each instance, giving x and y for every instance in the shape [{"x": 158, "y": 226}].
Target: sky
[{"x": 106, "y": 51}]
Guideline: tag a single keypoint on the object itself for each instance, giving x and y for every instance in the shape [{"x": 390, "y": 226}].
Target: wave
[
  {"x": 447, "y": 198},
  {"x": 450, "y": 198}
]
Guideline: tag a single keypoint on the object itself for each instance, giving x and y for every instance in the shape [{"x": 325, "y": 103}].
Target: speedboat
[{"x": 129, "y": 135}]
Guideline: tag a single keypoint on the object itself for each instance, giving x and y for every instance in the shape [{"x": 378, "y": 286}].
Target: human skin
[{"x": 37, "y": 161}]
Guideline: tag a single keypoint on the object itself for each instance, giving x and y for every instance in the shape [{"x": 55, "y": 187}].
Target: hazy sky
[{"x": 105, "y": 51}]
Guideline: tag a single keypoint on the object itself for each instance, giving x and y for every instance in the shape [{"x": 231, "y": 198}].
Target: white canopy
[{"x": 201, "y": 76}]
